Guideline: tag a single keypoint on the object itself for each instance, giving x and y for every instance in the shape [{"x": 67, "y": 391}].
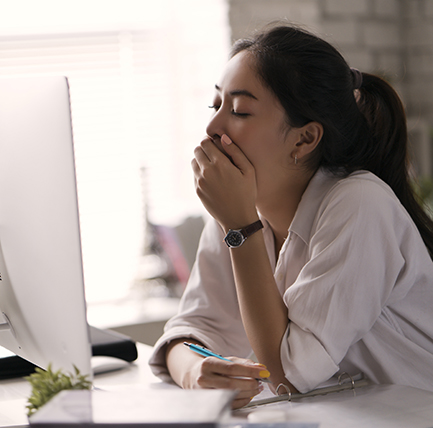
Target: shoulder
[
  {"x": 333, "y": 200},
  {"x": 362, "y": 184},
  {"x": 362, "y": 191},
  {"x": 365, "y": 204}
]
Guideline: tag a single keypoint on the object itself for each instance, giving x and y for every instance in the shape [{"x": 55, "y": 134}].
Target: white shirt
[{"x": 357, "y": 281}]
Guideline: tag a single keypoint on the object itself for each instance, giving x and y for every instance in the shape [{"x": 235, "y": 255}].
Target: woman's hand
[
  {"x": 225, "y": 182},
  {"x": 240, "y": 375},
  {"x": 190, "y": 370}
]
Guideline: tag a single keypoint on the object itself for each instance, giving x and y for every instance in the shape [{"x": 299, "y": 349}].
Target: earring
[{"x": 296, "y": 159}]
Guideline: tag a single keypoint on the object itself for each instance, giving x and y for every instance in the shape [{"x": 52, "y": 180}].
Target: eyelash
[{"x": 216, "y": 108}]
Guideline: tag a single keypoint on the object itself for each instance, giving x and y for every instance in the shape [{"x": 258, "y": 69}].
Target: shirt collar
[{"x": 319, "y": 185}]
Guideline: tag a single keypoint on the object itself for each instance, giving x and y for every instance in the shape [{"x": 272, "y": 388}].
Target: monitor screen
[{"x": 42, "y": 302}]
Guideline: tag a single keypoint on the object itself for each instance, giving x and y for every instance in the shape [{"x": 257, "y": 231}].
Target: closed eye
[{"x": 235, "y": 113}]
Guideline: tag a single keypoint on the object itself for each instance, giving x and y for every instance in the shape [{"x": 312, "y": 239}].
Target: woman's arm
[
  {"x": 263, "y": 311},
  {"x": 228, "y": 191},
  {"x": 190, "y": 370}
]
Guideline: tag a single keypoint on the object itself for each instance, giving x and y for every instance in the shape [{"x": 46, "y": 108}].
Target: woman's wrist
[
  {"x": 181, "y": 363},
  {"x": 239, "y": 223}
]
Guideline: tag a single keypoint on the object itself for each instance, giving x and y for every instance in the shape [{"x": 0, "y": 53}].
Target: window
[{"x": 141, "y": 75}]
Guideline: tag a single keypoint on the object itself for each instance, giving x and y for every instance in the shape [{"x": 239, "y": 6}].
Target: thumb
[{"x": 237, "y": 156}]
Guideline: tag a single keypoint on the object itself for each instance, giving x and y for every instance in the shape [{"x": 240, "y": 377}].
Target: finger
[
  {"x": 251, "y": 392},
  {"x": 211, "y": 150},
  {"x": 241, "y": 376},
  {"x": 235, "y": 153},
  {"x": 246, "y": 361},
  {"x": 201, "y": 156},
  {"x": 211, "y": 379},
  {"x": 195, "y": 166},
  {"x": 244, "y": 395},
  {"x": 246, "y": 387},
  {"x": 242, "y": 399},
  {"x": 243, "y": 368}
]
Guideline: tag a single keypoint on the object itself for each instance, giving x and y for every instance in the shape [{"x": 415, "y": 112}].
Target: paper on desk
[{"x": 144, "y": 408}]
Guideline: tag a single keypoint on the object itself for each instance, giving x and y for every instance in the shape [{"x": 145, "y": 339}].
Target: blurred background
[{"x": 141, "y": 76}]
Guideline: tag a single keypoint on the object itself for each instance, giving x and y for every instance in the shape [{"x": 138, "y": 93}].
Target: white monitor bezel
[{"x": 42, "y": 285}]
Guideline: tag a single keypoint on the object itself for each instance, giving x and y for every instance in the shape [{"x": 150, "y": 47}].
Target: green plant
[
  {"x": 423, "y": 188},
  {"x": 47, "y": 383}
]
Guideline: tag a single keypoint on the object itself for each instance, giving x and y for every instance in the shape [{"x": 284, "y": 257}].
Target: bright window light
[{"x": 141, "y": 74}]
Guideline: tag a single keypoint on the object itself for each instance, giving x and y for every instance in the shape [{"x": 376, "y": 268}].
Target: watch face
[{"x": 234, "y": 238}]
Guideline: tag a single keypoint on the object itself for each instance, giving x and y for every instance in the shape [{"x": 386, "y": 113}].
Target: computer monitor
[{"x": 42, "y": 301}]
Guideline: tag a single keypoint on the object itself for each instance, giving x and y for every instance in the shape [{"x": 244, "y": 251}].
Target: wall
[
  {"x": 393, "y": 38},
  {"x": 367, "y": 32},
  {"x": 418, "y": 48}
]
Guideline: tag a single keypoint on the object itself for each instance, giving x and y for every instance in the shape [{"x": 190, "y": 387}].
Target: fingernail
[
  {"x": 225, "y": 139},
  {"x": 264, "y": 373},
  {"x": 260, "y": 365}
]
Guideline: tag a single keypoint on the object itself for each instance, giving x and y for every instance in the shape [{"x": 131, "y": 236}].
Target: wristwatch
[{"x": 235, "y": 238}]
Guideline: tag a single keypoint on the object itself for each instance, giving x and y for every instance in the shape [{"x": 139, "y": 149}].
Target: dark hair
[{"x": 364, "y": 128}]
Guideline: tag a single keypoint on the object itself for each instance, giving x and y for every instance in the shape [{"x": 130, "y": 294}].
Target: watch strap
[{"x": 252, "y": 228}]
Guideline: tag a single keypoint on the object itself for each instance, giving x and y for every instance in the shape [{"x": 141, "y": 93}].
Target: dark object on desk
[
  {"x": 104, "y": 343},
  {"x": 110, "y": 343}
]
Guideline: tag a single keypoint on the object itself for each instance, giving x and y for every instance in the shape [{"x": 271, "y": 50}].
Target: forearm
[
  {"x": 263, "y": 311},
  {"x": 181, "y": 361}
]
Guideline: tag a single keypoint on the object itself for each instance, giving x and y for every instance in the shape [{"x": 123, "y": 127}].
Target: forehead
[
  {"x": 240, "y": 77},
  {"x": 240, "y": 74}
]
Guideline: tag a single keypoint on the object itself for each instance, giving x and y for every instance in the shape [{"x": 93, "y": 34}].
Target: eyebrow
[{"x": 239, "y": 92}]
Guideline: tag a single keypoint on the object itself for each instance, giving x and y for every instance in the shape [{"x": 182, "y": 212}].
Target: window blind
[{"x": 139, "y": 101}]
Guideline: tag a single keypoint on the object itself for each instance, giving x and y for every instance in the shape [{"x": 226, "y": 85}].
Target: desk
[
  {"x": 372, "y": 406},
  {"x": 390, "y": 406},
  {"x": 14, "y": 392}
]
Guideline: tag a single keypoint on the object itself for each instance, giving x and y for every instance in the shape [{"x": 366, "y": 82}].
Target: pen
[{"x": 201, "y": 350}]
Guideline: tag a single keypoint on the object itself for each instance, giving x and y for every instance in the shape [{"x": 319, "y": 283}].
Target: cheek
[
  {"x": 243, "y": 136},
  {"x": 258, "y": 143},
  {"x": 250, "y": 144}
]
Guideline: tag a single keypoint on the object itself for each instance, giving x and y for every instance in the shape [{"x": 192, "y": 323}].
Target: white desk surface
[
  {"x": 14, "y": 393},
  {"x": 372, "y": 406}
]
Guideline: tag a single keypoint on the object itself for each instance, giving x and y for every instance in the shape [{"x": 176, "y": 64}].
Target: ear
[{"x": 309, "y": 137}]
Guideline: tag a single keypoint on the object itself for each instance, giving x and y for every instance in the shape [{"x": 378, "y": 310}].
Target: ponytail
[
  {"x": 386, "y": 119},
  {"x": 388, "y": 148}
]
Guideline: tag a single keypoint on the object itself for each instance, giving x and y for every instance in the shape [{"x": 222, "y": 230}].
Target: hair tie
[{"x": 356, "y": 77}]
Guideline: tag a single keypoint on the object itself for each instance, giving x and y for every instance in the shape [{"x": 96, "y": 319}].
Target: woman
[{"x": 336, "y": 273}]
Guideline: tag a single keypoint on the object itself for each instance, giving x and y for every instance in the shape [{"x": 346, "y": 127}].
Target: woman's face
[{"x": 251, "y": 115}]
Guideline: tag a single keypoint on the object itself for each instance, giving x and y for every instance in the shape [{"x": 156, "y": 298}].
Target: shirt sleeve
[
  {"x": 209, "y": 310},
  {"x": 355, "y": 262}
]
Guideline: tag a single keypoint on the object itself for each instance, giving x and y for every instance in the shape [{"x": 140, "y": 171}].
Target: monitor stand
[{"x": 7, "y": 326}]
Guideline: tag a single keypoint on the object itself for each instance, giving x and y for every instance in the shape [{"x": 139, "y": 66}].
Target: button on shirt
[{"x": 355, "y": 276}]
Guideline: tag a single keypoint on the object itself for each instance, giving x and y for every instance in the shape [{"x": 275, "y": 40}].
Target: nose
[{"x": 216, "y": 126}]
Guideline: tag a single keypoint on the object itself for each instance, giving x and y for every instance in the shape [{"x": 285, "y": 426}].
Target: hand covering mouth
[{"x": 217, "y": 142}]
